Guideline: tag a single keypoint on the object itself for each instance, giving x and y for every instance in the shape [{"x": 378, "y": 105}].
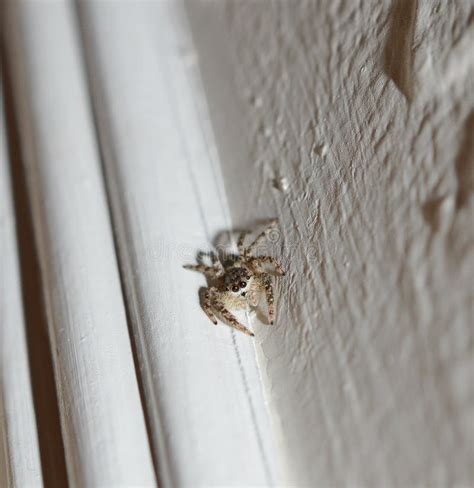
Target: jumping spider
[{"x": 239, "y": 282}]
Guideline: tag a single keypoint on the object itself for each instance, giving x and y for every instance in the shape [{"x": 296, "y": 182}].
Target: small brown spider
[{"x": 239, "y": 282}]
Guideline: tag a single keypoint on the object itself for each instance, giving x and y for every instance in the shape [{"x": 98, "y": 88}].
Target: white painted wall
[{"x": 357, "y": 133}]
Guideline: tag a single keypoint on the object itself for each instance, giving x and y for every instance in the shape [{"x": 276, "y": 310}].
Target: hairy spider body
[{"x": 240, "y": 282}]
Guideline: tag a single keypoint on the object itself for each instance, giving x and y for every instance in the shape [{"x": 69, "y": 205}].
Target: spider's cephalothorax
[{"x": 239, "y": 283}]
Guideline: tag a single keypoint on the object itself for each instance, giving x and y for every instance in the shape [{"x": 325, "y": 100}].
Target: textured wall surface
[{"x": 358, "y": 119}]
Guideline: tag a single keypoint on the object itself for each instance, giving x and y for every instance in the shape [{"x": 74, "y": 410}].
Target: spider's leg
[
  {"x": 217, "y": 265},
  {"x": 229, "y": 319},
  {"x": 206, "y": 303},
  {"x": 267, "y": 284},
  {"x": 263, "y": 235},
  {"x": 202, "y": 268},
  {"x": 240, "y": 242},
  {"x": 257, "y": 262}
]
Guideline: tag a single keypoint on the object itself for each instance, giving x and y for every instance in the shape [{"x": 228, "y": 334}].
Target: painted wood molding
[
  {"x": 202, "y": 384},
  {"x": 103, "y": 427},
  {"x": 20, "y": 463}
]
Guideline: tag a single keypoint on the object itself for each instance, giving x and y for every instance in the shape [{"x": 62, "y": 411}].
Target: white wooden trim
[
  {"x": 20, "y": 460},
  {"x": 202, "y": 384},
  {"x": 102, "y": 420}
]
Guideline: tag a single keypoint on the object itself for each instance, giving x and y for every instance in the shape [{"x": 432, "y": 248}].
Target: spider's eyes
[
  {"x": 243, "y": 284},
  {"x": 235, "y": 288}
]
